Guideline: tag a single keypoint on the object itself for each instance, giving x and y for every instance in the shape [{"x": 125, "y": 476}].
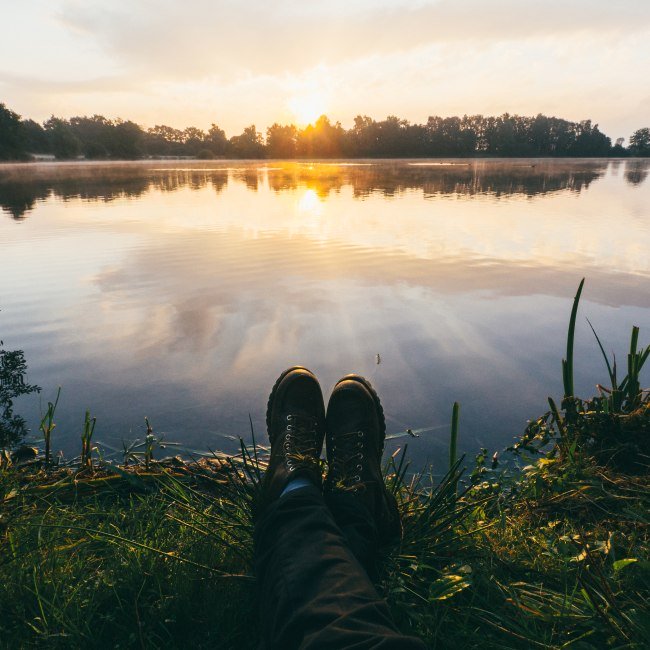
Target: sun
[{"x": 307, "y": 106}]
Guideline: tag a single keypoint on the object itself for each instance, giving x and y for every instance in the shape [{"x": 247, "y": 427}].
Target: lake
[{"x": 180, "y": 290}]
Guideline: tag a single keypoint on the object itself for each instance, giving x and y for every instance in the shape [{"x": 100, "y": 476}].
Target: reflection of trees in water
[
  {"x": 22, "y": 187},
  {"x": 20, "y": 198},
  {"x": 175, "y": 179},
  {"x": 322, "y": 180},
  {"x": 636, "y": 171},
  {"x": 460, "y": 178},
  {"x": 250, "y": 177},
  {"x": 19, "y": 192}
]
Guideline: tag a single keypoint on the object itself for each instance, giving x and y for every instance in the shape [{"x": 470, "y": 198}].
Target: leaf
[
  {"x": 621, "y": 564},
  {"x": 567, "y": 364},
  {"x": 448, "y": 586}
]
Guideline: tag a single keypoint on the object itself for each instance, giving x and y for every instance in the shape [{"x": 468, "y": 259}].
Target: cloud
[
  {"x": 37, "y": 85},
  {"x": 226, "y": 38},
  {"x": 237, "y": 63}
]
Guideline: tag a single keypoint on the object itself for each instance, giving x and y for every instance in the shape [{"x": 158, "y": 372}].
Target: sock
[{"x": 295, "y": 484}]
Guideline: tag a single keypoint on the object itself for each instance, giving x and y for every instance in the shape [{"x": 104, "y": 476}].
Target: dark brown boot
[
  {"x": 295, "y": 420},
  {"x": 356, "y": 430}
]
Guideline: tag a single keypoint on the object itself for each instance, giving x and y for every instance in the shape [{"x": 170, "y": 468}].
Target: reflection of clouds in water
[
  {"x": 271, "y": 292},
  {"x": 446, "y": 329}
]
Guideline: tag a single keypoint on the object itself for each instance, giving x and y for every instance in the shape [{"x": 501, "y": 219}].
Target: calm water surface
[{"x": 179, "y": 291}]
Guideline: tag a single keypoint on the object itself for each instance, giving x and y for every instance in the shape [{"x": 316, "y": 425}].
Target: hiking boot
[
  {"x": 356, "y": 430},
  {"x": 295, "y": 420}
]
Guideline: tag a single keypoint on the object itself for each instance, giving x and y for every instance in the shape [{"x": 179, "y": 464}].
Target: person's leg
[
  {"x": 355, "y": 490},
  {"x": 359, "y": 528},
  {"x": 314, "y": 593}
]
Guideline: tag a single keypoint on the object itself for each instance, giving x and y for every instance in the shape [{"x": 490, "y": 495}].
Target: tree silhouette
[
  {"x": 247, "y": 145},
  {"x": 281, "y": 141},
  {"x": 640, "y": 142},
  {"x": 216, "y": 140},
  {"x": 61, "y": 138},
  {"x": 10, "y": 135},
  {"x": 469, "y": 135},
  {"x": 320, "y": 140}
]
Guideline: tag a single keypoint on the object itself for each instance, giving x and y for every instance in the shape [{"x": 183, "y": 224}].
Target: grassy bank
[{"x": 547, "y": 550}]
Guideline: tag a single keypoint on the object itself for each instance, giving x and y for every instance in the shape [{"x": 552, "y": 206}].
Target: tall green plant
[
  {"x": 626, "y": 396},
  {"x": 567, "y": 364},
  {"x": 48, "y": 425},
  {"x": 86, "y": 438},
  {"x": 630, "y": 386}
]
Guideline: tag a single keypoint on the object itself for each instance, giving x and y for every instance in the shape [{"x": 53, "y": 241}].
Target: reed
[
  {"x": 627, "y": 396},
  {"x": 48, "y": 425},
  {"x": 453, "y": 438},
  {"x": 567, "y": 364},
  {"x": 86, "y": 441}
]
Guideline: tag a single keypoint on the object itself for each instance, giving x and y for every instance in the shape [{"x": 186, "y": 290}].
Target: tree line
[{"x": 99, "y": 138}]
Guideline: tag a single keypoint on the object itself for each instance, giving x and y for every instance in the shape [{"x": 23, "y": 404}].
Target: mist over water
[{"x": 179, "y": 291}]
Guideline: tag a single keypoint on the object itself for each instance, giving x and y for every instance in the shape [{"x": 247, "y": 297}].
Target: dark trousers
[{"x": 313, "y": 561}]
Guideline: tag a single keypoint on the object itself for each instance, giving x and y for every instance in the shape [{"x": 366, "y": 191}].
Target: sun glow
[{"x": 308, "y": 106}]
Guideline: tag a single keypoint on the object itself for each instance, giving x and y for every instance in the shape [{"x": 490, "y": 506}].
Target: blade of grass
[
  {"x": 567, "y": 364},
  {"x": 453, "y": 441},
  {"x": 612, "y": 374}
]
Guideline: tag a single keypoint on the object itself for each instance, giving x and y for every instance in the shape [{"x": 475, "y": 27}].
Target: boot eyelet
[
  {"x": 360, "y": 434},
  {"x": 289, "y": 418},
  {"x": 291, "y": 468},
  {"x": 290, "y": 427}
]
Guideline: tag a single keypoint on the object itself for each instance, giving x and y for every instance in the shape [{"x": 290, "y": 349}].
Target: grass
[{"x": 549, "y": 550}]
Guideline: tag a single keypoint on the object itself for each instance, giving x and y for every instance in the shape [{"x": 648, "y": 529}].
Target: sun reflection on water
[{"x": 310, "y": 204}]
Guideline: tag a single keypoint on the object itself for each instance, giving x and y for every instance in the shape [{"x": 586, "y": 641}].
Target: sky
[{"x": 242, "y": 62}]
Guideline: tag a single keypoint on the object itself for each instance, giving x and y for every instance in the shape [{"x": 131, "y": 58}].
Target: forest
[{"x": 99, "y": 138}]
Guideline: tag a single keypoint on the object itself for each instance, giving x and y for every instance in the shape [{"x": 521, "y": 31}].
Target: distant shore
[{"x": 504, "y": 135}]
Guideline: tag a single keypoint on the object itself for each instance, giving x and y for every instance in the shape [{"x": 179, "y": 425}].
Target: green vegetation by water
[
  {"x": 98, "y": 138},
  {"x": 548, "y": 550}
]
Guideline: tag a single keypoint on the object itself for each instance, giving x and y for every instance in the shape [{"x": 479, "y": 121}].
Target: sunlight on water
[
  {"x": 310, "y": 204},
  {"x": 180, "y": 292}
]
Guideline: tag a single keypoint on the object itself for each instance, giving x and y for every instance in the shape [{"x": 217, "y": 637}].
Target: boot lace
[
  {"x": 300, "y": 441},
  {"x": 347, "y": 460}
]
